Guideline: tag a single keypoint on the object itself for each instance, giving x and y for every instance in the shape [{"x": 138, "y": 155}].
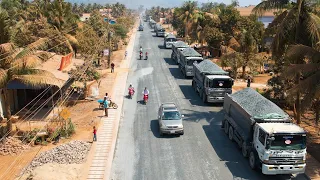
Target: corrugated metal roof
[
  {"x": 190, "y": 52},
  {"x": 208, "y": 67},
  {"x": 180, "y": 44}
]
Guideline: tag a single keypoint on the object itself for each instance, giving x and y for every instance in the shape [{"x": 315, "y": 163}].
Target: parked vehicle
[
  {"x": 169, "y": 40},
  {"x": 159, "y": 30},
  {"x": 170, "y": 119},
  {"x": 111, "y": 104},
  {"x": 211, "y": 82},
  {"x": 176, "y": 48},
  {"x": 265, "y": 133},
  {"x": 188, "y": 56}
]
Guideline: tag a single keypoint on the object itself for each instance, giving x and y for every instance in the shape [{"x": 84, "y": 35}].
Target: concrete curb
[{"x": 124, "y": 64}]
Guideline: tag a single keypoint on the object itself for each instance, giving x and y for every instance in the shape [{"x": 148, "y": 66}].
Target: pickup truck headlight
[{"x": 180, "y": 126}]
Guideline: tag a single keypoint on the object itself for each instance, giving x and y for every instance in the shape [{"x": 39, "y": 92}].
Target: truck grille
[
  {"x": 172, "y": 127},
  {"x": 286, "y": 160}
]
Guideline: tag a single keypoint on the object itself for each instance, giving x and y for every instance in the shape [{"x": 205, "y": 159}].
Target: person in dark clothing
[
  {"x": 112, "y": 67},
  {"x": 248, "y": 81}
]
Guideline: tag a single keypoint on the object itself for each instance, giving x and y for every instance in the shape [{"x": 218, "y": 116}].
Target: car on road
[
  {"x": 141, "y": 27},
  {"x": 170, "y": 119}
]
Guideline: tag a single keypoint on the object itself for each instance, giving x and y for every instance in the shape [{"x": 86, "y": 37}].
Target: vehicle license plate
[{"x": 172, "y": 132}]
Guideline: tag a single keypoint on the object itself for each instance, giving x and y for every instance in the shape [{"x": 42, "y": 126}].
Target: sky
[{"x": 162, "y": 3}]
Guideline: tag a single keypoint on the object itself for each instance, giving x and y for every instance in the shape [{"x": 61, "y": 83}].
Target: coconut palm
[
  {"x": 188, "y": 11},
  {"x": 298, "y": 24},
  {"x": 306, "y": 62},
  {"x": 20, "y": 66},
  {"x": 4, "y": 26}
]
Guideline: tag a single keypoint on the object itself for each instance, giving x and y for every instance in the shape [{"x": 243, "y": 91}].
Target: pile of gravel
[
  {"x": 12, "y": 146},
  {"x": 257, "y": 105},
  {"x": 190, "y": 52},
  {"x": 208, "y": 67},
  {"x": 74, "y": 152}
]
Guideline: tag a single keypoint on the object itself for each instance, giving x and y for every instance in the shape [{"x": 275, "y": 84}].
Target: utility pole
[{"x": 110, "y": 48}]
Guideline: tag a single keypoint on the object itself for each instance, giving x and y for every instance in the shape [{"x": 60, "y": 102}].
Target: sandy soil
[{"x": 53, "y": 171}]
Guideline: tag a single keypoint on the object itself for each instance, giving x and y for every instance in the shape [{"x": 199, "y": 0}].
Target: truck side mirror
[
  {"x": 182, "y": 115},
  {"x": 272, "y": 138}
]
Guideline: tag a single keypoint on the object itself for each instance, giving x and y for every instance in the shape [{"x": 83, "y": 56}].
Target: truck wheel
[
  {"x": 244, "y": 149},
  {"x": 253, "y": 160},
  {"x": 230, "y": 134},
  {"x": 226, "y": 126},
  {"x": 204, "y": 97}
]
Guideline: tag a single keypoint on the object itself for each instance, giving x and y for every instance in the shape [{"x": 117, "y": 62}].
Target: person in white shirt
[{"x": 145, "y": 91}]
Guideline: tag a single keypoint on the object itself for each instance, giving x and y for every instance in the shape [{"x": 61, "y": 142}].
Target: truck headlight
[
  {"x": 163, "y": 125},
  {"x": 180, "y": 126}
]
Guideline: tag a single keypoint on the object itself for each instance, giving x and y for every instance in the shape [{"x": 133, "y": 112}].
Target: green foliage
[
  {"x": 229, "y": 17},
  {"x": 213, "y": 36},
  {"x": 233, "y": 60},
  {"x": 4, "y": 26},
  {"x": 120, "y": 30}
]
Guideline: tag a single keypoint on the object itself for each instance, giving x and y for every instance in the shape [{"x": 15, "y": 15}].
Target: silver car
[{"x": 170, "y": 119}]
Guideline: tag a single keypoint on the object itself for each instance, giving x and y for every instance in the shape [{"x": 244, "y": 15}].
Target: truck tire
[
  {"x": 194, "y": 86},
  {"x": 244, "y": 149},
  {"x": 253, "y": 160},
  {"x": 204, "y": 97},
  {"x": 226, "y": 126},
  {"x": 230, "y": 133}
]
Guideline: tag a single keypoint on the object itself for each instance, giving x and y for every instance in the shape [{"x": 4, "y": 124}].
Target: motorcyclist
[
  {"x": 146, "y": 54},
  {"x": 131, "y": 88},
  {"x": 145, "y": 91},
  {"x": 140, "y": 49}
]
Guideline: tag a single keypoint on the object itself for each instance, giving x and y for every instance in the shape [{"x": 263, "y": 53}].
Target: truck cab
[
  {"x": 188, "y": 56},
  {"x": 215, "y": 87},
  {"x": 279, "y": 148}
]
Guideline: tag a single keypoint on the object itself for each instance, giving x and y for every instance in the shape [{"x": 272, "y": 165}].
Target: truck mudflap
[{"x": 283, "y": 169}]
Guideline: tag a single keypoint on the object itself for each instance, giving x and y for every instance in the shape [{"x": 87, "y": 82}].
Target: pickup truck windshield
[
  {"x": 221, "y": 83},
  {"x": 171, "y": 115},
  {"x": 288, "y": 142},
  {"x": 191, "y": 61}
]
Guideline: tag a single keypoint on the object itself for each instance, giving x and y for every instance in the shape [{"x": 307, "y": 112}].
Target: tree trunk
[
  {"x": 243, "y": 71},
  {"x": 317, "y": 111},
  {"x": 8, "y": 110}
]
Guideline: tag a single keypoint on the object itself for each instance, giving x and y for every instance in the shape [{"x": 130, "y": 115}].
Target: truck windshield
[
  {"x": 191, "y": 61},
  {"x": 221, "y": 83},
  {"x": 171, "y": 40},
  {"x": 288, "y": 142}
]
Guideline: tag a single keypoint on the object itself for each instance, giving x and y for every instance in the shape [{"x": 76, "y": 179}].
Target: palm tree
[
  {"x": 4, "y": 24},
  {"x": 298, "y": 25},
  {"x": 309, "y": 86},
  {"x": 188, "y": 12},
  {"x": 21, "y": 67}
]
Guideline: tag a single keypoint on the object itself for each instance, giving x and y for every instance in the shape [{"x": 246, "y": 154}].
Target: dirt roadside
[{"x": 85, "y": 115}]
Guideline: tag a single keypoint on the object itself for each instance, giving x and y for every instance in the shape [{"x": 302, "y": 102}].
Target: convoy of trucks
[
  {"x": 188, "y": 56},
  {"x": 211, "y": 82},
  {"x": 265, "y": 133},
  {"x": 168, "y": 40},
  {"x": 160, "y": 31},
  {"x": 176, "y": 48}
]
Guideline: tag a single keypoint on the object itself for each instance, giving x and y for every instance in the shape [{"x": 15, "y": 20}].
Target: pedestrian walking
[
  {"x": 249, "y": 81},
  {"x": 94, "y": 133},
  {"x": 105, "y": 106},
  {"x": 112, "y": 67}
]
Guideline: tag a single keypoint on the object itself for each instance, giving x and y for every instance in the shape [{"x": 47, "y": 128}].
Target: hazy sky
[{"x": 163, "y": 3}]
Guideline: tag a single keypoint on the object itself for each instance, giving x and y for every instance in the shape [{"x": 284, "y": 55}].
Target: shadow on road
[
  {"x": 154, "y": 126},
  {"x": 170, "y": 62},
  {"x": 193, "y": 96}
]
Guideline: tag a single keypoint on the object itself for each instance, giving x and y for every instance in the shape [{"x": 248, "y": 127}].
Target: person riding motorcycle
[
  {"x": 146, "y": 55},
  {"x": 131, "y": 88},
  {"x": 140, "y": 49}
]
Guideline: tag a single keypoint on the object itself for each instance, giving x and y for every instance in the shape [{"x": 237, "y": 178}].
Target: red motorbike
[
  {"x": 131, "y": 93},
  {"x": 145, "y": 98}
]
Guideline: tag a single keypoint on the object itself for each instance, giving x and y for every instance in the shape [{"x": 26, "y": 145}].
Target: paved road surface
[{"x": 203, "y": 152}]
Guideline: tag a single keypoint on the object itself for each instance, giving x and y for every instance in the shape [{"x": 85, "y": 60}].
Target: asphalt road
[{"x": 203, "y": 152}]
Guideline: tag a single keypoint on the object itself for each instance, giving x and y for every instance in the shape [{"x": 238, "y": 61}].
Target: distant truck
[
  {"x": 168, "y": 40},
  {"x": 265, "y": 133},
  {"x": 211, "y": 82},
  {"x": 188, "y": 56},
  {"x": 152, "y": 23},
  {"x": 159, "y": 30},
  {"x": 176, "y": 48}
]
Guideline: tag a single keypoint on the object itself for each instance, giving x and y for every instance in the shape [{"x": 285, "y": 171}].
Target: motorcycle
[
  {"x": 111, "y": 104},
  {"x": 140, "y": 56},
  {"x": 131, "y": 93},
  {"x": 146, "y": 57},
  {"x": 145, "y": 98}
]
